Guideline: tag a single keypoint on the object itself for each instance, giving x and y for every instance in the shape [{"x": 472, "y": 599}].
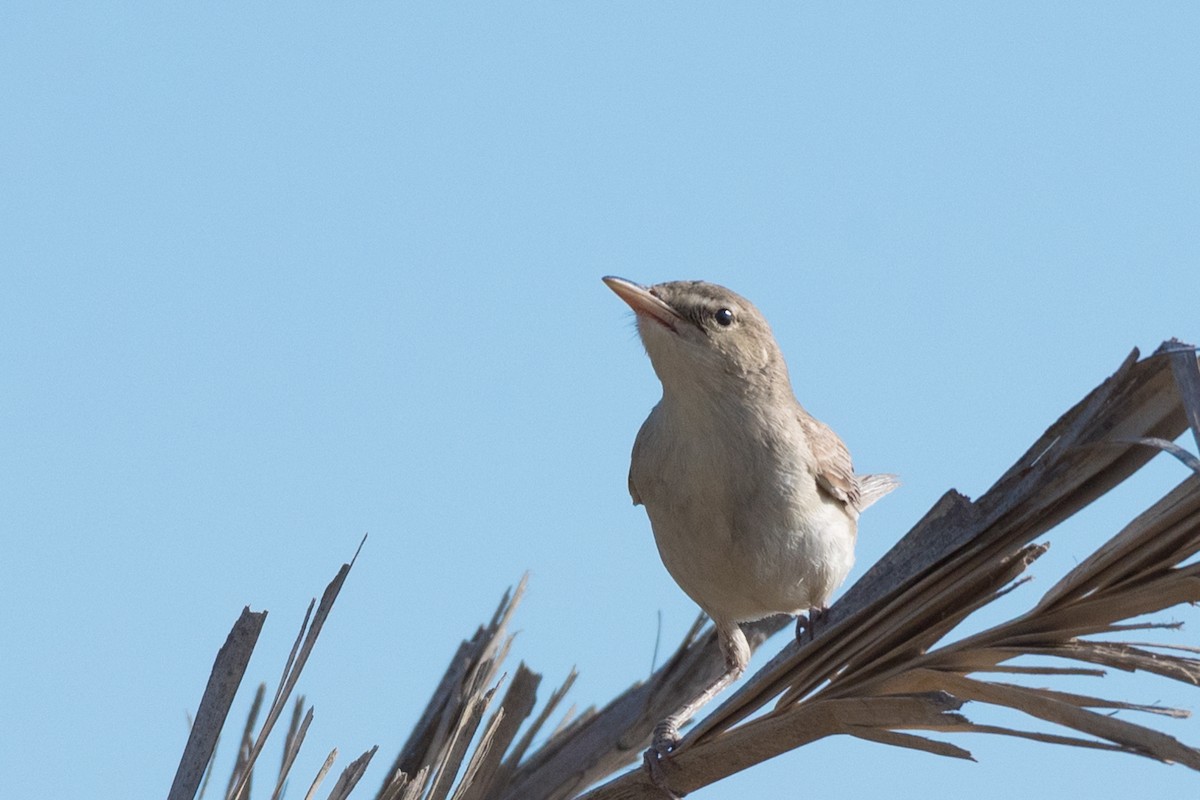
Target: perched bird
[{"x": 754, "y": 503}]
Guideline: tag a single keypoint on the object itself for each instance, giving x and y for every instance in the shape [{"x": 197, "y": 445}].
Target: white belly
[
  {"x": 745, "y": 549},
  {"x": 753, "y": 571}
]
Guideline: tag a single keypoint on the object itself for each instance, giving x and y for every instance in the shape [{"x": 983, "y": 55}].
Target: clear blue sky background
[{"x": 281, "y": 274}]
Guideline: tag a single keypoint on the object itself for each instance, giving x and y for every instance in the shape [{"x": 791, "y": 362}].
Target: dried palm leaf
[{"x": 885, "y": 667}]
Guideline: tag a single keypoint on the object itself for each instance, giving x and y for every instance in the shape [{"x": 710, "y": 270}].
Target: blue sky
[{"x": 276, "y": 276}]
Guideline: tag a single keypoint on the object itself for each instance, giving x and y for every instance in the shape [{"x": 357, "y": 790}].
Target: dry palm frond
[
  {"x": 963, "y": 555},
  {"x": 884, "y": 668},
  {"x": 218, "y": 696},
  {"x": 223, "y": 683}
]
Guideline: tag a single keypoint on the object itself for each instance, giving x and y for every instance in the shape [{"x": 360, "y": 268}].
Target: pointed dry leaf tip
[
  {"x": 251, "y": 748},
  {"x": 897, "y": 739},
  {"x": 297, "y": 659},
  {"x": 351, "y": 775},
  {"x": 321, "y": 773},
  {"x": 359, "y": 550}
]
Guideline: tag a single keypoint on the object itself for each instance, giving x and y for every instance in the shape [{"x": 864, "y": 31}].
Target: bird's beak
[{"x": 643, "y": 302}]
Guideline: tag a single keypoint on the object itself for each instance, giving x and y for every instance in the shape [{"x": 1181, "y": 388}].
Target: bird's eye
[{"x": 724, "y": 317}]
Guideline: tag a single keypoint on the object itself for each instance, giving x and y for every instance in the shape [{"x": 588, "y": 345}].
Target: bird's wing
[
  {"x": 633, "y": 461},
  {"x": 833, "y": 468},
  {"x": 642, "y": 450}
]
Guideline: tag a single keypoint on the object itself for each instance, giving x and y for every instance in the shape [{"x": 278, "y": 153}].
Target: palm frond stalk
[{"x": 885, "y": 667}]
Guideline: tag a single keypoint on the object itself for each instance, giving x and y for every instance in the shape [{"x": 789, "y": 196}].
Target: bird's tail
[{"x": 873, "y": 487}]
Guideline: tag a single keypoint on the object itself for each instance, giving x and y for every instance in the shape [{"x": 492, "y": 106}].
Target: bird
[{"x": 753, "y": 502}]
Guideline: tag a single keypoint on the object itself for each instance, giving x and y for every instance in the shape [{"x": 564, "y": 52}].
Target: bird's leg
[
  {"x": 736, "y": 651},
  {"x": 807, "y": 624}
]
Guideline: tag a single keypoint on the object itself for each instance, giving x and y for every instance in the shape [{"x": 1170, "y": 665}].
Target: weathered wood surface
[{"x": 223, "y": 683}]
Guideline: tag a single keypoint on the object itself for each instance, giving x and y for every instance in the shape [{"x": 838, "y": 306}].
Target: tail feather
[{"x": 873, "y": 487}]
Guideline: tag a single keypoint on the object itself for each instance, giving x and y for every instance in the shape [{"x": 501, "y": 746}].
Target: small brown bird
[{"x": 754, "y": 503}]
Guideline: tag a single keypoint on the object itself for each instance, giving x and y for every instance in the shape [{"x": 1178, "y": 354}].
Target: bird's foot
[
  {"x": 807, "y": 624},
  {"x": 666, "y": 738}
]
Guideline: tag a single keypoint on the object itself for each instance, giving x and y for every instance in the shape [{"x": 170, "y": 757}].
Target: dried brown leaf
[{"x": 910, "y": 741}]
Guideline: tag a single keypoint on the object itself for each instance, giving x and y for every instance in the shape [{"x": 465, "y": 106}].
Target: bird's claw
[
  {"x": 807, "y": 624},
  {"x": 666, "y": 739}
]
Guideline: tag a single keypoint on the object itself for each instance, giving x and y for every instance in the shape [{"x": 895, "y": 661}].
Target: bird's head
[{"x": 699, "y": 334}]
